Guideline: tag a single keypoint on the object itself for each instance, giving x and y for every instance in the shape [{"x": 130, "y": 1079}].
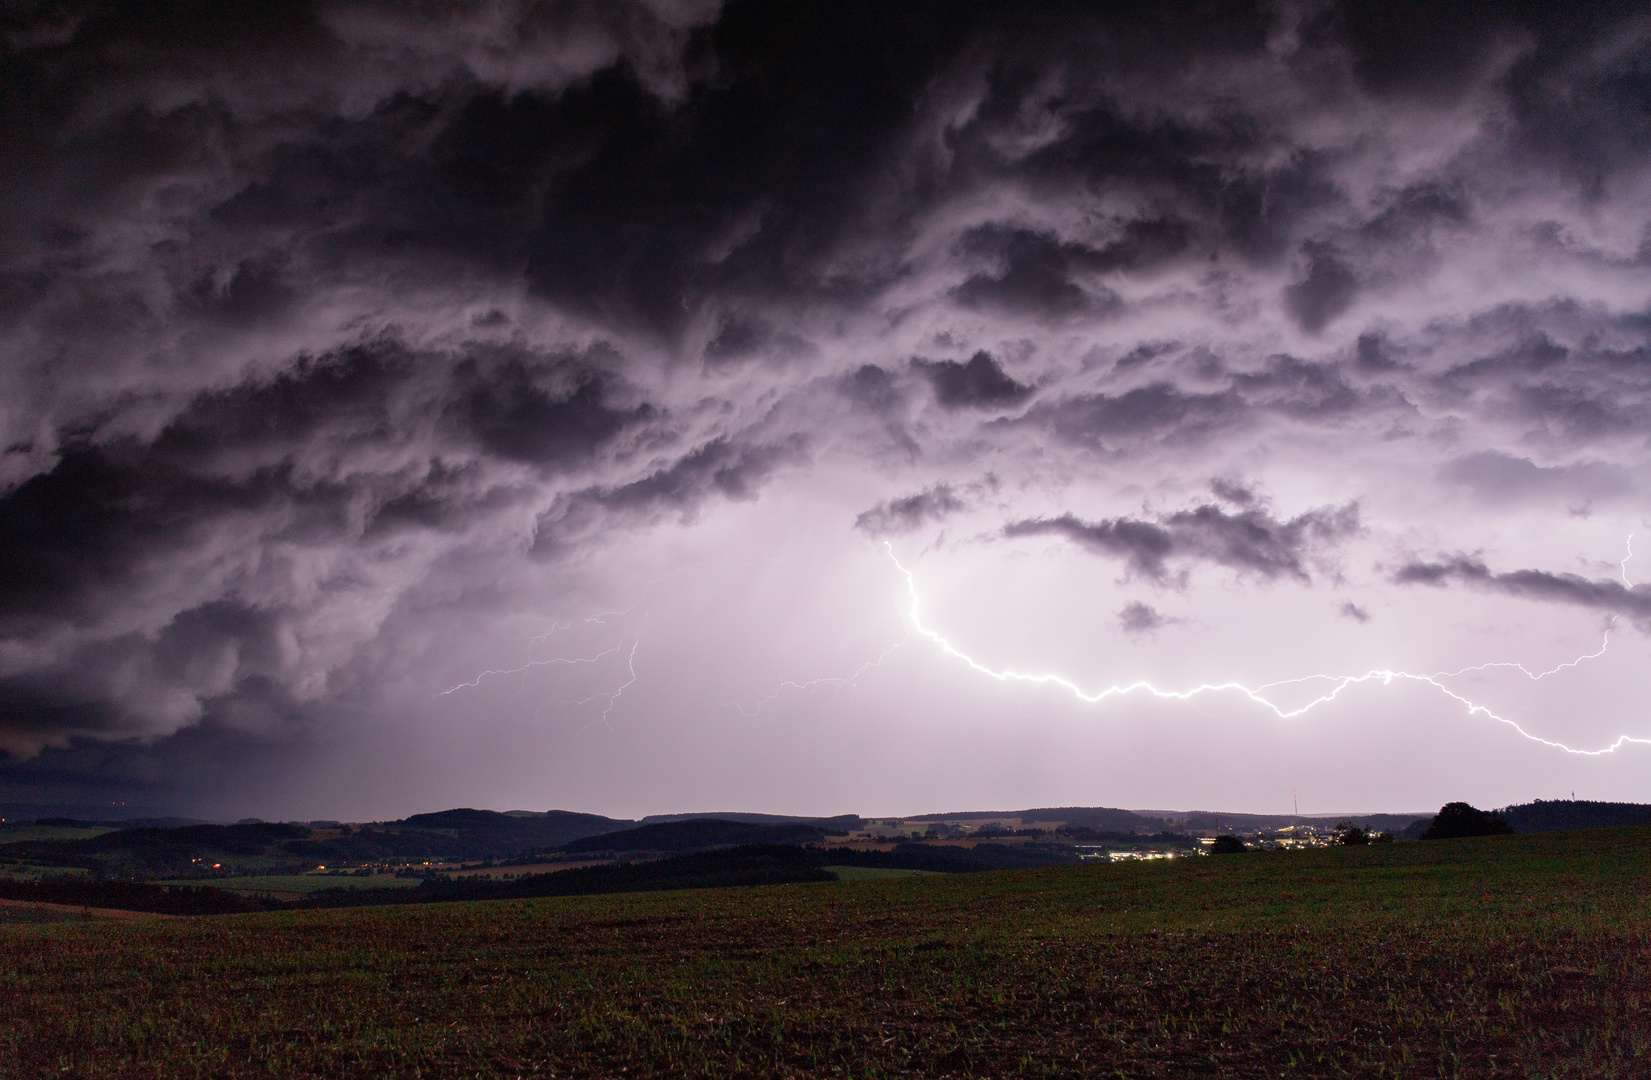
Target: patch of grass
[
  {"x": 299, "y": 884},
  {"x": 1510, "y": 956},
  {"x": 27, "y": 872},
  {"x": 12, "y": 834},
  {"x": 874, "y": 873},
  {"x": 31, "y": 915}
]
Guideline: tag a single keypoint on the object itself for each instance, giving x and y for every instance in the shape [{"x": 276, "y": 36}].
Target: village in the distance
[{"x": 477, "y": 854}]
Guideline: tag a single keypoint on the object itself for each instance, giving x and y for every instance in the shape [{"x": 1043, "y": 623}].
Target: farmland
[
  {"x": 296, "y": 885},
  {"x": 1502, "y": 956}
]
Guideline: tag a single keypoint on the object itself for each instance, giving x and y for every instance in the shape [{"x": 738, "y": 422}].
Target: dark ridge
[
  {"x": 838, "y": 823},
  {"x": 488, "y": 834},
  {"x": 230, "y": 839},
  {"x": 695, "y": 834},
  {"x": 1094, "y": 817},
  {"x": 1565, "y": 814}
]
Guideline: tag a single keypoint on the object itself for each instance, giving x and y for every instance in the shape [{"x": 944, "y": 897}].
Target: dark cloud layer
[
  {"x": 910, "y": 512},
  {"x": 312, "y": 314},
  {"x": 1251, "y": 542},
  {"x": 980, "y": 383},
  {"x": 1633, "y": 601}
]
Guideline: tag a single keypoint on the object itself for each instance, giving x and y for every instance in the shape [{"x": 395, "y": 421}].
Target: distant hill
[
  {"x": 839, "y": 823},
  {"x": 489, "y": 834},
  {"x": 1113, "y": 819},
  {"x": 695, "y": 834},
  {"x": 1564, "y": 814},
  {"x": 460, "y": 834},
  {"x": 1106, "y": 818}
]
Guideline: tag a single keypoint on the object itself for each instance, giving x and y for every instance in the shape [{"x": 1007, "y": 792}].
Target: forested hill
[
  {"x": 671, "y": 837},
  {"x": 1564, "y": 814},
  {"x": 269, "y": 846}
]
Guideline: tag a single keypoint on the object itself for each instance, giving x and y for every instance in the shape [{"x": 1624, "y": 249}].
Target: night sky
[{"x": 665, "y": 406}]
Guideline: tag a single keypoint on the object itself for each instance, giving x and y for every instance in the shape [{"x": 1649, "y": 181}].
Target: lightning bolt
[
  {"x": 612, "y": 696},
  {"x": 914, "y": 617},
  {"x": 531, "y": 664},
  {"x": 813, "y": 684},
  {"x": 1257, "y": 694}
]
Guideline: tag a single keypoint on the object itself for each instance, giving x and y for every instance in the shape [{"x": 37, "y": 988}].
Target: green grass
[
  {"x": 875, "y": 873},
  {"x": 1523, "y": 956},
  {"x": 13, "y": 834},
  {"x": 11, "y": 914},
  {"x": 27, "y": 872},
  {"x": 298, "y": 884}
]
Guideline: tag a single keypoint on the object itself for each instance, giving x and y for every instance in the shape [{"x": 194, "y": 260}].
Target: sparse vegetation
[{"x": 1502, "y": 956}]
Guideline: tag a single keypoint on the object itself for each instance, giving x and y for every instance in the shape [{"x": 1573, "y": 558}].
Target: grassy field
[
  {"x": 874, "y": 873},
  {"x": 289, "y": 885},
  {"x": 1525, "y": 956},
  {"x": 11, "y": 834}
]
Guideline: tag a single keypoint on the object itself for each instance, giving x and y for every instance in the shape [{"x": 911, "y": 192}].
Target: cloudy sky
[{"x": 823, "y": 407}]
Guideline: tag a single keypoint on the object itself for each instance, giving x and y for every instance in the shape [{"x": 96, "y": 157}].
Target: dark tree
[
  {"x": 1351, "y": 835},
  {"x": 1226, "y": 845},
  {"x": 1459, "y": 819}
]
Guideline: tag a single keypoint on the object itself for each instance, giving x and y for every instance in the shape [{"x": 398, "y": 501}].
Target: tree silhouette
[
  {"x": 1351, "y": 835},
  {"x": 1459, "y": 819}
]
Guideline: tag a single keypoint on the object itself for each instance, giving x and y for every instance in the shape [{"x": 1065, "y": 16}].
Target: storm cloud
[
  {"x": 1612, "y": 596},
  {"x": 1251, "y": 542},
  {"x": 328, "y": 329}
]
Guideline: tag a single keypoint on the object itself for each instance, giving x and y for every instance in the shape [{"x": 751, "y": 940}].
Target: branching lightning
[
  {"x": 610, "y": 697},
  {"x": 814, "y": 684},
  {"x": 531, "y": 664},
  {"x": 1258, "y": 694},
  {"x": 613, "y": 695}
]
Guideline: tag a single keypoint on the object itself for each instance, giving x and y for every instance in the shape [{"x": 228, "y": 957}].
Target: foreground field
[{"x": 1510, "y": 956}]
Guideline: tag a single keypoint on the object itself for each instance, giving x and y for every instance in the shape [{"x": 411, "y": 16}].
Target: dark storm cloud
[
  {"x": 978, "y": 384},
  {"x": 1328, "y": 289},
  {"x": 1138, "y": 618},
  {"x": 1251, "y": 542},
  {"x": 1034, "y": 272},
  {"x": 517, "y": 418},
  {"x": 1235, "y": 493},
  {"x": 719, "y": 469},
  {"x": 1160, "y": 410},
  {"x": 300, "y": 302},
  {"x": 1633, "y": 601},
  {"x": 1350, "y": 610},
  {"x": 911, "y": 512}
]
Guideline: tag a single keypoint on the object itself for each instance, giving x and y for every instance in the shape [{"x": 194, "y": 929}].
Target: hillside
[
  {"x": 266, "y": 847},
  {"x": 1562, "y": 814}
]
